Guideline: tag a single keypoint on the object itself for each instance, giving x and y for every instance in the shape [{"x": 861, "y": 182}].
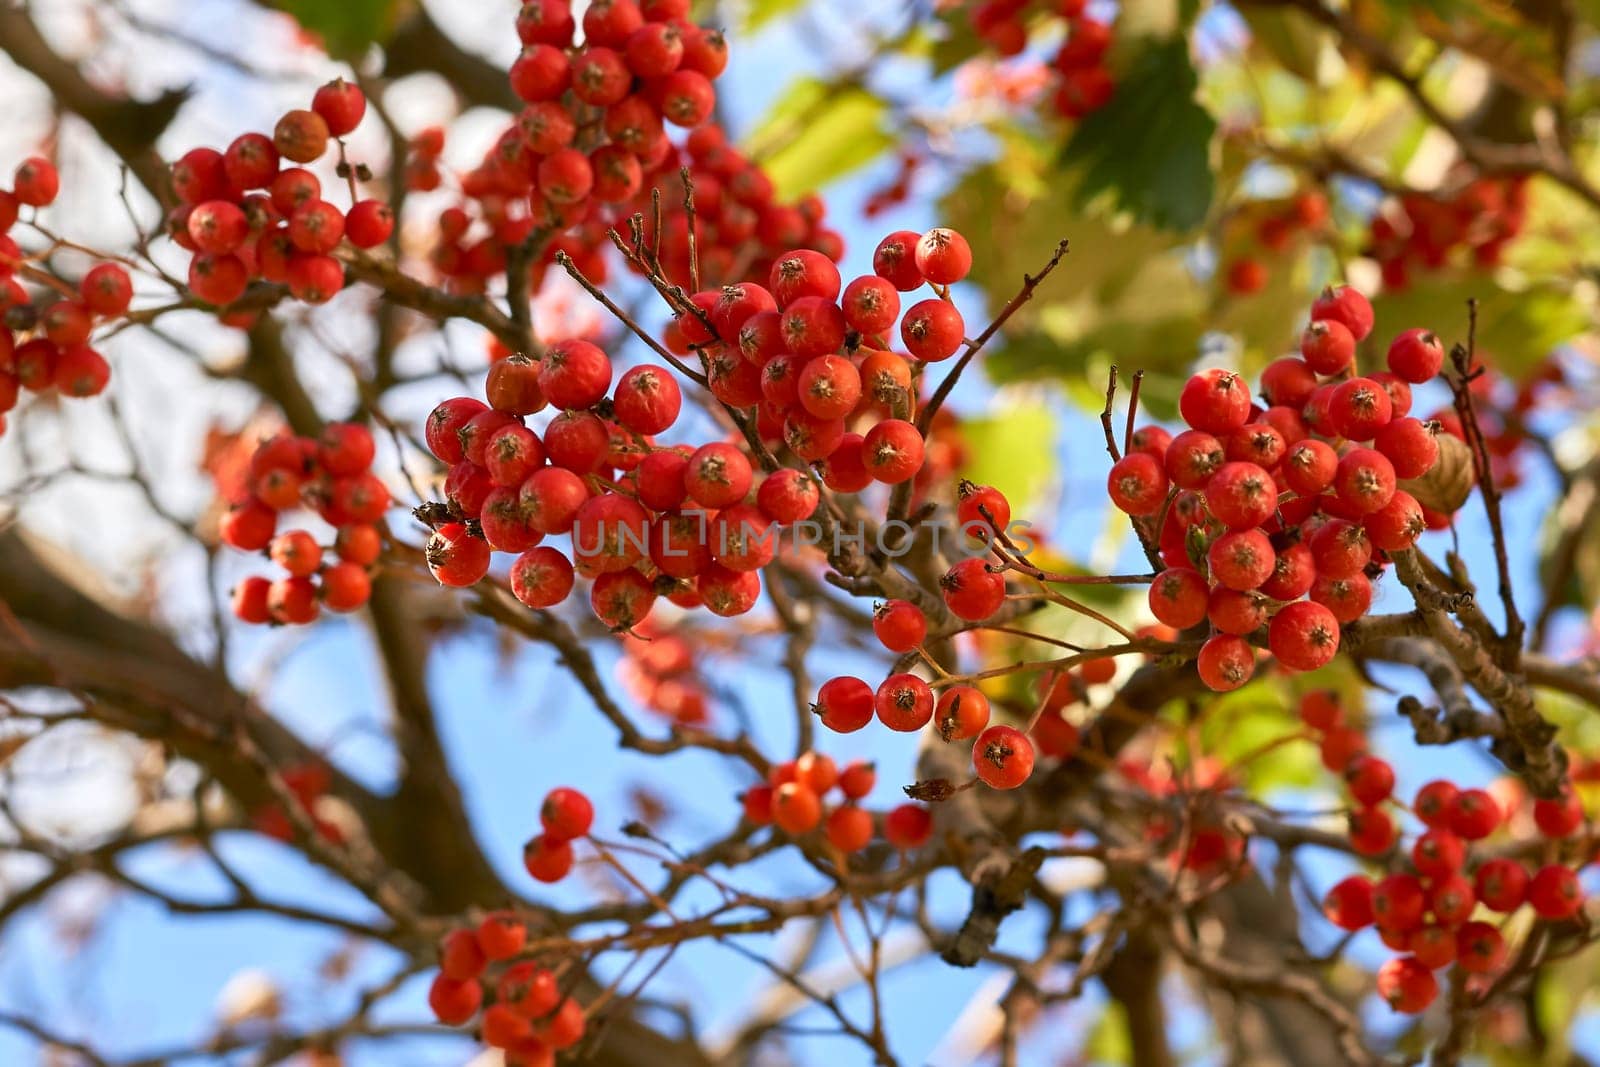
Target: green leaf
[
  {"x": 817, "y": 132},
  {"x": 347, "y": 27},
  {"x": 1149, "y": 150},
  {"x": 1013, "y": 450},
  {"x": 760, "y": 12}
]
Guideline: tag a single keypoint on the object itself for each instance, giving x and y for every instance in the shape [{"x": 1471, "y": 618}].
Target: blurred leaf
[
  {"x": 958, "y": 45},
  {"x": 1108, "y": 1040},
  {"x": 1288, "y": 36},
  {"x": 1149, "y": 150},
  {"x": 1522, "y": 54},
  {"x": 817, "y": 132},
  {"x": 1013, "y": 450},
  {"x": 760, "y": 12},
  {"x": 347, "y": 27}
]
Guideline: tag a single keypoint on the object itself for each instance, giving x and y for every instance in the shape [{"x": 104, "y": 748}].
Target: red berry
[
  {"x": 301, "y": 136},
  {"x": 1192, "y": 458},
  {"x": 461, "y": 958},
  {"x": 1370, "y": 780},
  {"x": 1216, "y": 401},
  {"x": 1372, "y": 832},
  {"x": 566, "y": 814},
  {"x": 849, "y": 829},
  {"x": 857, "y": 779},
  {"x": 1554, "y": 892},
  {"x": 1438, "y": 853},
  {"x": 341, "y": 106},
  {"x": 1327, "y": 347},
  {"x": 1410, "y": 447},
  {"x": 718, "y": 475},
  {"x": 932, "y": 330},
  {"x": 1003, "y": 757},
  {"x": 1474, "y": 814},
  {"x": 1241, "y": 495},
  {"x": 1502, "y": 884},
  {"x": 1225, "y": 662},
  {"x": 972, "y": 591},
  {"x": 895, "y": 261},
  {"x": 1406, "y": 985},
  {"x": 1364, "y": 481},
  {"x": 456, "y": 557},
  {"x": 1319, "y": 709},
  {"x": 904, "y": 703},
  {"x": 1434, "y": 804},
  {"x": 1398, "y": 903},
  {"x": 1479, "y": 948},
  {"x": 454, "y": 1003},
  {"x": 943, "y": 256},
  {"x": 899, "y": 625},
  {"x": 844, "y": 704},
  {"x": 796, "y": 808},
  {"x": 892, "y": 451},
  {"x": 1397, "y": 525},
  {"x": 1416, "y": 356},
  {"x": 1137, "y": 484},
  {"x": 1178, "y": 597},
  {"x": 547, "y": 859},
  {"x": 787, "y": 496},
  {"x": 36, "y": 182},
  {"x": 1360, "y": 408},
  {"x": 1241, "y": 559},
  {"x": 1303, "y": 635},
  {"x": 961, "y": 712},
  {"x": 1346, "y": 306},
  {"x": 1348, "y": 904},
  {"x": 908, "y": 826},
  {"x": 369, "y": 223},
  {"x": 106, "y": 289},
  {"x": 1559, "y": 816}
]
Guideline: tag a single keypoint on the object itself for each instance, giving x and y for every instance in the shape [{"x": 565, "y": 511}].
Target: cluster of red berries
[
  {"x": 244, "y": 215},
  {"x": 1202, "y": 839},
  {"x": 658, "y": 669},
  {"x": 1084, "y": 84},
  {"x": 693, "y": 523},
  {"x": 564, "y": 817},
  {"x": 528, "y": 1015},
  {"x": 57, "y": 355},
  {"x": 591, "y": 146},
  {"x": 1276, "y": 224},
  {"x": 1258, "y": 508},
  {"x": 1420, "y": 231},
  {"x": 1002, "y": 755},
  {"x": 794, "y": 794},
  {"x": 331, "y": 475},
  {"x": 1426, "y": 912}
]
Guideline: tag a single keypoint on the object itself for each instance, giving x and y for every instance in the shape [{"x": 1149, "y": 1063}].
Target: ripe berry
[
  {"x": 871, "y": 305},
  {"x": 1309, "y": 467},
  {"x": 1348, "y": 904},
  {"x": 1327, "y": 347},
  {"x": 547, "y": 859},
  {"x": 1416, "y": 356},
  {"x": 1178, "y": 597},
  {"x": 1433, "y": 946},
  {"x": 849, "y": 829},
  {"x": 1410, "y": 447},
  {"x": 1397, "y": 525},
  {"x": 1241, "y": 495},
  {"x": 1364, "y": 481},
  {"x": 1055, "y": 736},
  {"x": 1003, "y": 757},
  {"x": 1559, "y": 816},
  {"x": 972, "y": 591},
  {"x": 1233, "y": 612},
  {"x": 1438, "y": 853},
  {"x": 455, "y": 557},
  {"x": 962, "y": 712},
  {"x": 787, "y": 496},
  {"x": 574, "y": 374},
  {"x": 895, "y": 261},
  {"x": 1319, "y": 709},
  {"x": 1554, "y": 892},
  {"x": 1398, "y": 903},
  {"x": 757, "y": 804},
  {"x": 1407, "y": 984},
  {"x": 341, "y": 106},
  {"x": 1370, "y": 780},
  {"x": 1216, "y": 401},
  {"x": 892, "y": 451},
  {"x": 1303, "y": 635},
  {"x": 1501, "y": 884},
  {"x": 647, "y": 400},
  {"x": 1346, "y": 306},
  {"x": 899, "y": 625},
  {"x": 943, "y": 256},
  {"x": 857, "y": 779},
  {"x": 249, "y": 600},
  {"x": 1360, "y": 408},
  {"x": 795, "y": 808},
  {"x": 106, "y": 289},
  {"x": 345, "y": 586},
  {"x": 803, "y": 273},
  {"x": 315, "y": 279},
  {"x": 1474, "y": 814},
  {"x": 369, "y": 223},
  {"x": 36, "y": 182},
  {"x": 541, "y": 577},
  {"x": 904, "y": 703},
  {"x": 1339, "y": 746},
  {"x": 1372, "y": 832},
  {"x": 1479, "y": 948},
  {"x": 932, "y": 330},
  {"x": 1225, "y": 663},
  {"x": 1192, "y": 458},
  {"x": 566, "y": 814},
  {"x": 844, "y": 704},
  {"x": 1241, "y": 559},
  {"x": 454, "y": 1003},
  {"x": 1137, "y": 484},
  {"x": 1288, "y": 382},
  {"x": 461, "y": 958},
  {"x": 829, "y": 387},
  {"x": 718, "y": 475},
  {"x": 908, "y": 826}
]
